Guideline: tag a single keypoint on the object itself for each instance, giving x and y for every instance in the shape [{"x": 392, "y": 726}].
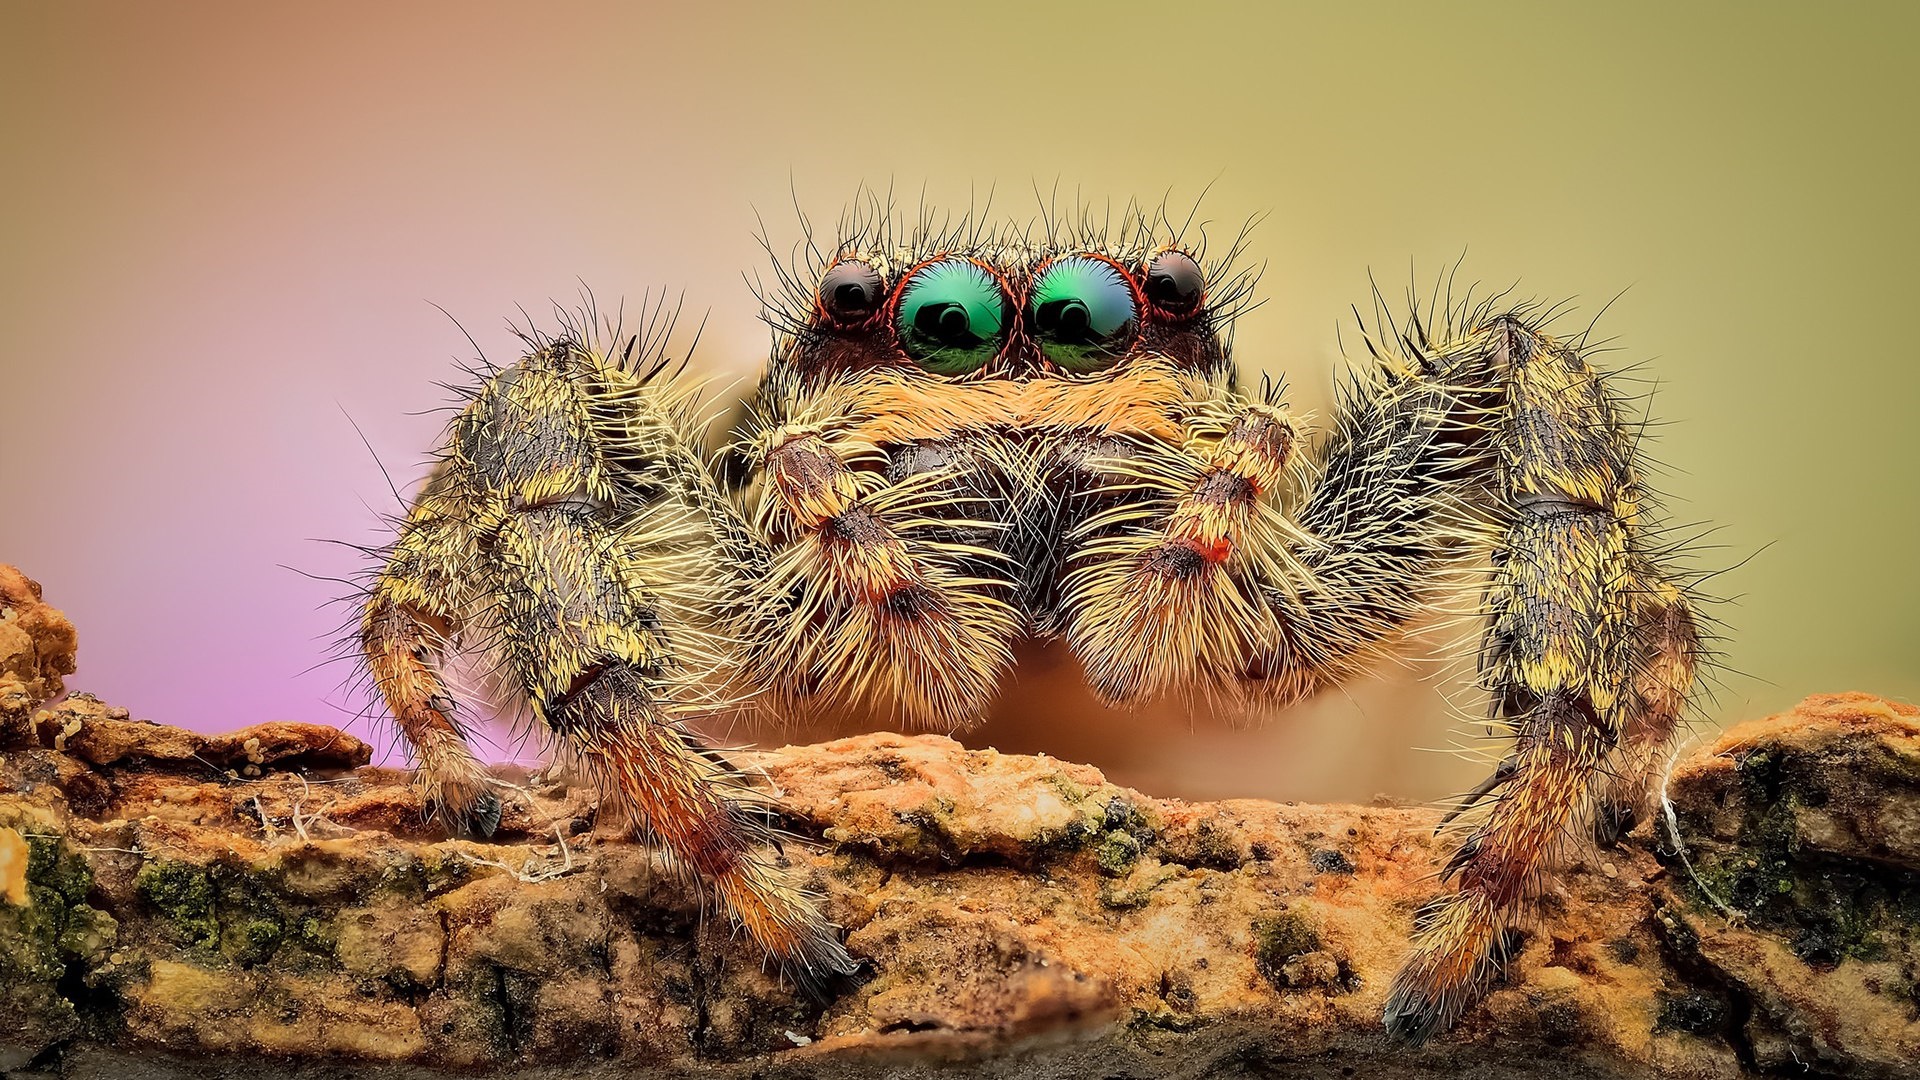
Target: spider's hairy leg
[
  {"x": 873, "y": 599},
  {"x": 404, "y": 633},
  {"x": 1668, "y": 651},
  {"x": 1589, "y": 648},
  {"x": 1386, "y": 529},
  {"x": 599, "y": 549},
  {"x": 678, "y": 793},
  {"x": 1165, "y": 591}
]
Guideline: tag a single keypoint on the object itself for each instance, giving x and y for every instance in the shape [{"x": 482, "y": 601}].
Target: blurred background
[{"x": 225, "y": 228}]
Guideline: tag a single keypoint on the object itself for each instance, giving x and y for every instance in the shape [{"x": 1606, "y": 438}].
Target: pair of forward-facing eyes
[{"x": 952, "y": 314}]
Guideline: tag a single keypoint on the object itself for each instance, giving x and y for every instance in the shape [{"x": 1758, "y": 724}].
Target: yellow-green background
[{"x": 220, "y": 226}]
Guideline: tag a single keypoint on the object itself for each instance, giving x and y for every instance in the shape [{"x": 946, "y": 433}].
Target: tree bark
[{"x": 174, "y": 904}]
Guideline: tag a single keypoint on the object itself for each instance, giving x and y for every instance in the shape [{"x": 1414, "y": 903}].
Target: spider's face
[
  {"x": 1011, "y": 392},
  {"x": 1008, "y": 313}
]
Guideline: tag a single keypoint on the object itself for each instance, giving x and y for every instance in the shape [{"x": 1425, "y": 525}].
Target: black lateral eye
[
  {"x": 1175, "y": 283},
  {"x": 850, "y": 292}
]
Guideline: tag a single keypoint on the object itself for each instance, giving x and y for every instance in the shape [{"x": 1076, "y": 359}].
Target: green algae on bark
[
  {"x": 1800, "y": 869},
  {"x": 54, "y": 946}
]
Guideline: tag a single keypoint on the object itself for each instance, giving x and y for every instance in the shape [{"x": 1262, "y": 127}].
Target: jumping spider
[{"x": 966, "y": 437}]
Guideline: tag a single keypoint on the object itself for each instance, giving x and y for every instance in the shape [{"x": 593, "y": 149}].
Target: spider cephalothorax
[{"x": 967, "y": 438}]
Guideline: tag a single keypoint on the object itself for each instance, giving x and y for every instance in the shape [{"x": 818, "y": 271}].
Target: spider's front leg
[{"x": 576, "y": 541}]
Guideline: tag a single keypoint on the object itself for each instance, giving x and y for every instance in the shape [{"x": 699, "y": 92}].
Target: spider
[{"x": 968, "y": 436}]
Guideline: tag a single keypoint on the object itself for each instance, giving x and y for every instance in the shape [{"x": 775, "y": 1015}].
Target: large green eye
[
  {"x": 1083, "y": 313},
  {"x": 952, "y": 316}
]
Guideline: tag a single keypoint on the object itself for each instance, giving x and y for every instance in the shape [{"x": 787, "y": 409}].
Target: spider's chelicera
[{"x": 964, "y": 439}]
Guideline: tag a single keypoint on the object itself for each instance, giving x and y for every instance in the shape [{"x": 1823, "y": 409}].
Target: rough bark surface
[{"x": 173, "y": 904}]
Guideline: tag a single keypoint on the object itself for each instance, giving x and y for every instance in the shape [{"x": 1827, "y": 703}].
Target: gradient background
[{"x": 222, "y": 225}]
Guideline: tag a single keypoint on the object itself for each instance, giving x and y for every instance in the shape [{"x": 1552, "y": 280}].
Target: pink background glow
[{"x": 223, "y": 225}]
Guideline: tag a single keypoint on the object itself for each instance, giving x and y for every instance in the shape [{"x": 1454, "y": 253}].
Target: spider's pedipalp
[
  {"x": 1164, "y": 591},
  {"x": 874, "y": 599},
  {"x": 1196, "y": 576}
]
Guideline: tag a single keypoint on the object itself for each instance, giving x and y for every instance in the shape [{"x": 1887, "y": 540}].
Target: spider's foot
[
  {"x": 772, "y": 905},
  {"x": 1459, "y": 949},
  {"x": 824, "y": 969},
  {"x": 465, "y": 813},
  {"x": 482, "y": 818},
  {"x": 1612, "y": 823},
  {"x": 1411, "y": 1017}
]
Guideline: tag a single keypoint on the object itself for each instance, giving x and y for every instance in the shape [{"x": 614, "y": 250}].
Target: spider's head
[
  {"x": 920, "y": 336},
  {"x": 1003, "y": 311}
]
